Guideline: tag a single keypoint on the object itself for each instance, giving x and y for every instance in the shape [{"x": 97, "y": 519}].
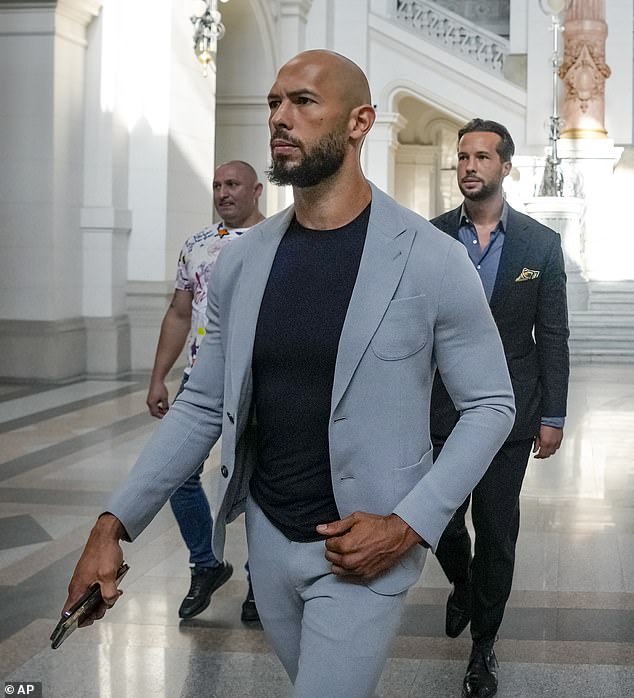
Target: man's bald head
[
  {"x": 236, "y": 192},
  {"x": 246, "y": 170},
  {"x": 349, "y": 80}
]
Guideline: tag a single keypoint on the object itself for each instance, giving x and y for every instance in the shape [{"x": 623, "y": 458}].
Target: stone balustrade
[{"x": 454, "y": 33}]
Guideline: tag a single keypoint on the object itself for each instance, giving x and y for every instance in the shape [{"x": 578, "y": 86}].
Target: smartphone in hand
[{"x": 81, "y": 610}]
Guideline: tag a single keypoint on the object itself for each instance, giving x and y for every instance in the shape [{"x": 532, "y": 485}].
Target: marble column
[
  {"x": 584, "y": 70},
  {"x": 417, "y": 180},
  {"x": 564, "y": 215},
  {"x": 588, "y": 154},
  {"x": 42, "y": 68},
  {"x": 380, "y": 150},
  {"x": 291, "y": 28},
  {"x": 105, "y": 219},
  {"x": 292, "y": 17}
]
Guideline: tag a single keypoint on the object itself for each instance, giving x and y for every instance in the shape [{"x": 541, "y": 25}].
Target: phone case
[{"x": 81, "y": 610}]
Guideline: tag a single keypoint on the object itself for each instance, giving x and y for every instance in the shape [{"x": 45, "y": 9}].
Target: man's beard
[
  {"x": 485, "y": 192},
  {"x": 323, "y": 161}
]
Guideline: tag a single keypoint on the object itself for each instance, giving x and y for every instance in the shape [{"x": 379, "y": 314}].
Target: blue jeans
[
  {"x": 193, "y": 515},
  {"x": 191, "y": 510}
]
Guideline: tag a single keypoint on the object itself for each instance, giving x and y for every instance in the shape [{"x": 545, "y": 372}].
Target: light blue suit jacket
[{"x": 417, "y": 303}]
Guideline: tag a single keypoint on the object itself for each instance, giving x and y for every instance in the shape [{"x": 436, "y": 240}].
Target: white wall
[{"x": 169, "y": 109}]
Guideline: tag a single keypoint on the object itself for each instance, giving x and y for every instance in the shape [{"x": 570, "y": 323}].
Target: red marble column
[{"x": 584, "y": 70}]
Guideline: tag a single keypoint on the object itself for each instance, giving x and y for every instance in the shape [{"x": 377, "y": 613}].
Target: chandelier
[{"x": 208, "y": 30}]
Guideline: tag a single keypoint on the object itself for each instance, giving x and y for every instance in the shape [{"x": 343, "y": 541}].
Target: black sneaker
[
  {"x": 205, "y": 580},
  {"x": 249, "y": 609}
]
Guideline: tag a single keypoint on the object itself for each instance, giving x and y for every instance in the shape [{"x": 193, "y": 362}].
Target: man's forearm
[{"x": 174, "y": 331}]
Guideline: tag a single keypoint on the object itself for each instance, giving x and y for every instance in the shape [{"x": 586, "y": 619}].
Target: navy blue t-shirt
[{"x": 297, "y": 335}]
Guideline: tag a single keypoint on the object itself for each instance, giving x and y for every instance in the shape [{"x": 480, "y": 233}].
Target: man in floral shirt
[{"x": 236, "y": 193}]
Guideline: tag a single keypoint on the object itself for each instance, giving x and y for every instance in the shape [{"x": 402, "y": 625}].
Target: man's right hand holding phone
[{"x": 99, "y": 562}]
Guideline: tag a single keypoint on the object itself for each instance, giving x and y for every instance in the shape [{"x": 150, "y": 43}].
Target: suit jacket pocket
[
  {"x": 403, "y": 329},
  {"x": 407, "y": 477}
]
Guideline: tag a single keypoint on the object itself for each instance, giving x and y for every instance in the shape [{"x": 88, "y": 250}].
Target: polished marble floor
[{"x": 568, "y": 630}]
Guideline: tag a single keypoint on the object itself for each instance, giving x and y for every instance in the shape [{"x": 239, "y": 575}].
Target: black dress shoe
[
  {"x": 458, "y": 609},
  {"x": 481, "y": 679},
  {"x": 205, "y": 580},
  {"x": 249, "y": 609}
]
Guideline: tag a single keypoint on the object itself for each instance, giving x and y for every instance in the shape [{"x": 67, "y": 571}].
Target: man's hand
[
  {"x": 99, "y": 562},
  {"x": 365, "y": 545},
  {"x": 548, "y": 441},
  {"x": 157, "y": 399}
]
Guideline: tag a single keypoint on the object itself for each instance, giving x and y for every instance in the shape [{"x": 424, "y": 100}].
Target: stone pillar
[
  {"x": 380, "y": 150},
  {"x": 291, "y": 27},
  {"x": 42, "y": 61},
  {"x": 350, "y": 32},
  {"x": 105, "y": 218},
  {"x": 105, "y": 254},
  {"x": 584, "y": 70},
  {"x": 291, "y": 34},
  {"x": 588, "y": 155},
  {"x": 417, "y": 178},
  {"x": 564, "y": 215}
]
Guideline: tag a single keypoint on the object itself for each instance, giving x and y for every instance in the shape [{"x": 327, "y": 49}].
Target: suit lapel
[
  {"x": 387, "y": 246},
  {"x": 513, "y": 255},
  {"x": 385, "y": 253},
  {"x": 449, "y": 223},
  {"x": 253, "y": 279}
]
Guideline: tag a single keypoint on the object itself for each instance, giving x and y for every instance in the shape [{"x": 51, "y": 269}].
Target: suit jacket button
[
  {"x": 223, "y": 471},
  {"x": 231, "y": 418}
]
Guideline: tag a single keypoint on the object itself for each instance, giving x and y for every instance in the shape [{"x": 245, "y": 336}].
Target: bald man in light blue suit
[{"x": 331, "y": 606}]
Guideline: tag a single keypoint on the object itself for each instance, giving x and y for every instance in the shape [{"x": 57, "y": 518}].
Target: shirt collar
[{"x": 503, "y": 222}]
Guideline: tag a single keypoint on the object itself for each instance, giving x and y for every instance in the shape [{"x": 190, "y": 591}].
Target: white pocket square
[{"x": 527, "y": 275}]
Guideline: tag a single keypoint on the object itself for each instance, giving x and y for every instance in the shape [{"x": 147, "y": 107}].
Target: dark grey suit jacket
[{"x": 531, "y": 316}]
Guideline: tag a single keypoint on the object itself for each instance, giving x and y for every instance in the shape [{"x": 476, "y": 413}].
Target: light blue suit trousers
[{"x": 342, "y": 629}]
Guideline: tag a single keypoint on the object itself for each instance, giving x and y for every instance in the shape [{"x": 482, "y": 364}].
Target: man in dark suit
[{"x": 521, "y": 267}]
